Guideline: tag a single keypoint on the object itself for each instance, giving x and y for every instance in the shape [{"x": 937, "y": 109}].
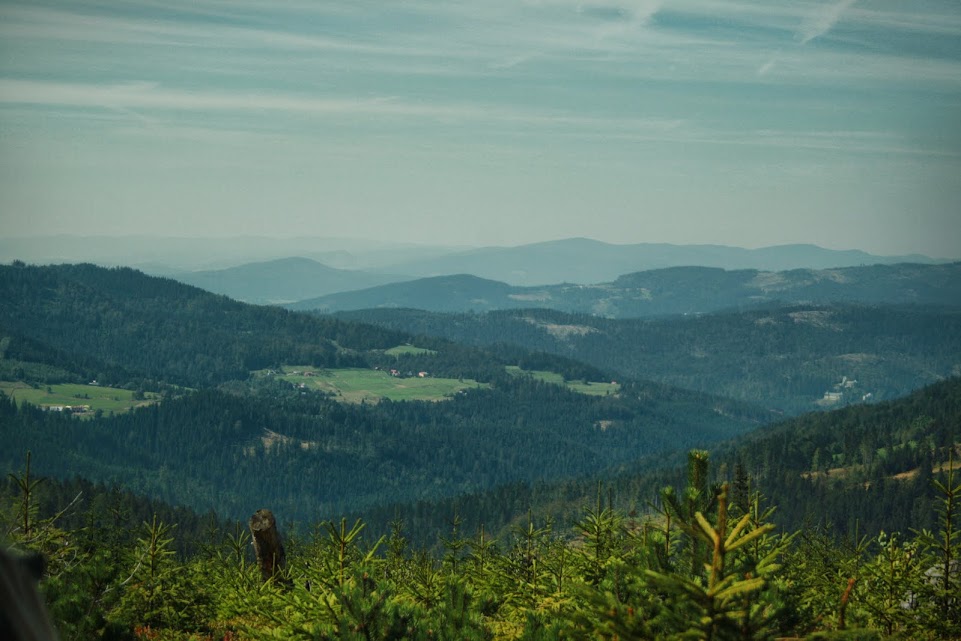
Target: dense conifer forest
[
  {"x": 311, "y": 455},
  {"x": 703, "y": 561},
  {"x": 521, "y": 508},
  {"x": 854, "y": 471}
]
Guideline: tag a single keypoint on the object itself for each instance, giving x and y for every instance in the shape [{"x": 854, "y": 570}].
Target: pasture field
[
  {"x": 402, "y": 350},
  {"x": 108, "y": 399},
  {"x": 581, "y": 387},
  {"x": 355, "y": 385}
]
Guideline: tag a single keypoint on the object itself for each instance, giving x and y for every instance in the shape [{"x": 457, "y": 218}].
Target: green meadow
[
  {"x": 355, "y": 385},
  {"x": 403, "y": 350},
  {"x": 581, "y": 387},
  {"x": 108, "y": 399}
]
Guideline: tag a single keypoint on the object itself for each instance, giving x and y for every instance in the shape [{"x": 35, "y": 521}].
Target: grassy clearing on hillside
[
  {"x": 355, "y": 385},
  {"x": 582, "y": 387},
  {"x": 108, "y": 399},
  {"x": 402, "y": 350}
]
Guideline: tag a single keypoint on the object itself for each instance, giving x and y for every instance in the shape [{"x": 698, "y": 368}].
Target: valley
[
  {"x": 480, "y": 321},
  {"x": 445, "y": 432}
]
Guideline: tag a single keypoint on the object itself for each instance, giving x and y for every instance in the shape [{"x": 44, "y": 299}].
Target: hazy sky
[{"x": 486, "y": 122}]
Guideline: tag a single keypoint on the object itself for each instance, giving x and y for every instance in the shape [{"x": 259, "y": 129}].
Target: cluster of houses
[
  {"x": 837, "y": 395},
  {"x": 393, "y": 372},
  {"x": 396, "y": 373},
  {"x": 399, "y": 374},
  {"x": 71, "y": 409}
]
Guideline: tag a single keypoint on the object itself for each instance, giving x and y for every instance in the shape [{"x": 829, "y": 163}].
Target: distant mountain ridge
[
  {"x": 571, "y": 260},
  {"x": 675, "y": 290},
  {"x": 282, "y": 281},
  {"x": 585, "y": 261}
]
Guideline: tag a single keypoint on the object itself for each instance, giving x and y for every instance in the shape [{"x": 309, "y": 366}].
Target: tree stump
[{"x": 267, "y": 545}]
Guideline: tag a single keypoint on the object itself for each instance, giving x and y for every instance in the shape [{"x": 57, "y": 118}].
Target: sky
[{"x": 492, "y": 122}]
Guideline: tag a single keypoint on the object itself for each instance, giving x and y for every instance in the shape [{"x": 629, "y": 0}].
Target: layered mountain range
[{"x": 675, "y": 290}]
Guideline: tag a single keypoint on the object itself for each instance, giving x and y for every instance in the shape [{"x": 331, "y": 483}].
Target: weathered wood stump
[{"x": 267, "y": 545}]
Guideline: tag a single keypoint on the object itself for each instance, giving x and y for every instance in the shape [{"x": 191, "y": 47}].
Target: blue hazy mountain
[
  {"x": 674, "y": 290},
  {"x": 283, "y": 280},
  {"x": 584, "y": 261}
]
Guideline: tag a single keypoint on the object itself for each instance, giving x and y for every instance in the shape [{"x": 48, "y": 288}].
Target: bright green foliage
[
  {"x": 821, "y": 578},
  {"x": 608, "y": 577},
  {"x": 160, "y": 592},
  {"x": 697, "y": 498},
  {"x": 602, "y": 529},
  {"x": 719, "y": 605},
  {"x": 938, "y": 601},
  {"x": 889, "y": 581}
]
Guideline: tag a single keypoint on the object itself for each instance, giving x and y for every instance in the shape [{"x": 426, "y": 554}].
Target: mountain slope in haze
[
  {"x": 573, "y": 260},
  {"x": 283, "y": 280},
  {"x": 584, "y": 261},
  {"x": 675, "y": 290},
  {"x": 165, "y": 255},
  {"x": 790, "y": 358},
  {"x": 459, "y": 292}
]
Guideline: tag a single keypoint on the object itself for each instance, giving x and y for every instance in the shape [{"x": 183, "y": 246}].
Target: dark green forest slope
[
  {"x": 785, "y": 358},
  {"x": 163, "y": 330},
  {"x": 700, "y": 560},
  {"x": 239, "y": 441},
  {"x": 310, "y": 456},
  {"x": 864, "y": 469}
]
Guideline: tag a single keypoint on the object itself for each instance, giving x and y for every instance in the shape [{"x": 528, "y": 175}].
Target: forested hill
[
  {"x": 81, "y": 322},
  {"x": 856, "y": 470},
  {"x": 309, "y": 456},
  {"x": 785, "y": 358},
  {"x": 244, "y": 438},
  {"x": 160, "y": 329},
  {"x": 659, "y": 292}
]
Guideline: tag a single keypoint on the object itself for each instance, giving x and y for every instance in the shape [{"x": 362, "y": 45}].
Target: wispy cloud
[
  {"x": 764, "y": 69},
  {"x": 151, "y": 96},
  {"x": 170, "y": 114},
  {"x": 308, "y": 43},
  {"x": 33, "y": 22},
  {"x": 821, "y": 21}
]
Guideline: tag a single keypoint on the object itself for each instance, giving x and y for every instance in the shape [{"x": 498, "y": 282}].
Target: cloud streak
[
  {"x": 152, "y": 96},
  {"x": 131, "y": 101},
  {"x": 642, "y": 40},
  {"x": 822, "y": 20}
]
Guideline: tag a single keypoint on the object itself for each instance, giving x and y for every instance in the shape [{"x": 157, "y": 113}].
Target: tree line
[{"x": 701, "y": 560}]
